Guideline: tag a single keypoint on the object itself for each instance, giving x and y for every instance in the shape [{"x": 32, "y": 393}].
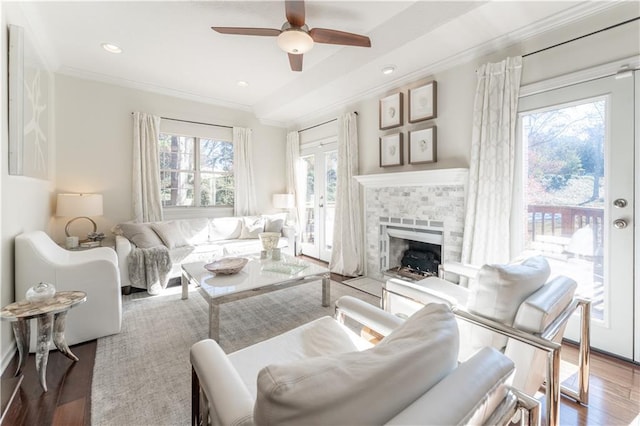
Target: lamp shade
[
  {"x": 74, "y": 205},
  {"x": 283, "y": 201}
]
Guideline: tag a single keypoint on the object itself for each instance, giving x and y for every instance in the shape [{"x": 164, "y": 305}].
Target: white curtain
[
  {"x": 147, "y": 204},
  {"x": 295, "y": 179},
  {"x": 245, "y": 196},
  {"x": 487, "y": 223},
  {"x": 346, "y": 255}
]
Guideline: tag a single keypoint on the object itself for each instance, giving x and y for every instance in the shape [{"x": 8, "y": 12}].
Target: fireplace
[
  {"x": 425, "y": 200},
  {"x": 410, "y": 251}
]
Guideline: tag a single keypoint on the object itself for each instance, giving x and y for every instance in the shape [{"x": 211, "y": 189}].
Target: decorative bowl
[
  {"x": 269, "y": 240},
  {"x": 227, "y": 266}
]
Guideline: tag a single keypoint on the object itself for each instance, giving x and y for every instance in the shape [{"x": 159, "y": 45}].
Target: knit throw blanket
[{"x": 149, "y": 268}]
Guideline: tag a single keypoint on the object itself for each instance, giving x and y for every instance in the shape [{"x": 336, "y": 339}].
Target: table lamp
[
  {"x": 283, "y": 201},
  {"x": 79, "y": 206}
]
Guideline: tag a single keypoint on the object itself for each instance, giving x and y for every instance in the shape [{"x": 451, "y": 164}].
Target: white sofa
[
  {"x": 199, "y": 239},
  {"x": 38, "y": 258}
]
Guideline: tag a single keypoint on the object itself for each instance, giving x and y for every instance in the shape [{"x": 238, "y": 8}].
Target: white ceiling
[{"x": 169, "y": 47}]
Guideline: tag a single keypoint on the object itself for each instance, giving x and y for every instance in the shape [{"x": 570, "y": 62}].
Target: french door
[
  {"x": 320, "y": 163},
  {"x": 576, "y": 196}
]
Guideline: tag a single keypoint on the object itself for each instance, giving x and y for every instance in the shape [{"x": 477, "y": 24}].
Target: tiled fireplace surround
[{"x": 433, "y": 198}]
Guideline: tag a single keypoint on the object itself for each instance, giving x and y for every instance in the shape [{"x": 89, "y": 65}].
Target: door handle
[{"x": 620, "y": 223}]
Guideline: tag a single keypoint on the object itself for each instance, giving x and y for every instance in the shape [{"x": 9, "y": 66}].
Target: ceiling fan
[{"x": 296, "y": 38}]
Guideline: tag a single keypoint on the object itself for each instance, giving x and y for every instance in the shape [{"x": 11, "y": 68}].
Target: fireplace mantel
[{"x": 457, "y": 176}]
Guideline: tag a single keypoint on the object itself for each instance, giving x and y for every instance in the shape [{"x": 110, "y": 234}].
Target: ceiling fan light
[{"x": 295, "y": 41}]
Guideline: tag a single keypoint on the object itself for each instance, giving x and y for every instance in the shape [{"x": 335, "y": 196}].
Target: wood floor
[{"x": 614, "y": 391}]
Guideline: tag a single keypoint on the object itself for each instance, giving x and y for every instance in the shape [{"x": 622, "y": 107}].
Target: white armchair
[
  {"x": 514, "y": 309},
  {"x": 95, "y": 271},
  {"x": 322, "y": 373}
]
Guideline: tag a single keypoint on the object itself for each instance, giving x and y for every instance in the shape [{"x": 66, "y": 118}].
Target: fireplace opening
[{"x": 411, "y": 253}]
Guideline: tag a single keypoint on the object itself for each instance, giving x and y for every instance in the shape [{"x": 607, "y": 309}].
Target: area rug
[
  {"x": 366, "y": 284},
  {"x": 142, "y": 376}
]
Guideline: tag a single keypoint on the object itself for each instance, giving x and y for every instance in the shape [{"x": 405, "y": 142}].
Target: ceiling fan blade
[
  {"x": 295, "y": 61},
  {"x": 272, "y": 32},
  {"x": 322, "y": 35},
  {"x": 294, "y": 9}
]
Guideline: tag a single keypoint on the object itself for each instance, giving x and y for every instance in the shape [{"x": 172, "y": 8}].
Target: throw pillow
[
  {"x": 274, "y": 222},
  {"x": 500, "y": 290},
  {"x": 140, "y": 234},
  {"x": 251, "y": 227},
  {"x": 170, "y": 234},
  {"x": 339, "y": 388}
]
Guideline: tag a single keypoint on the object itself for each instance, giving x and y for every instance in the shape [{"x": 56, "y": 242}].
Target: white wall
[
  {"x": 456, "y": 86},
  {"x": 94, "y": 153},
  {"x": 25, "y": 202}
]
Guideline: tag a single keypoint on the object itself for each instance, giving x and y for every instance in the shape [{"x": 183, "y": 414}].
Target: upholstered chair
[
  {"x": 322, "y": 373},
  {"x": 513, "y": 308},
  {"x": 38, "y": 258}
]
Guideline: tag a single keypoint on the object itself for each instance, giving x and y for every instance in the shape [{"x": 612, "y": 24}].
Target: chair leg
[
  {"x": 553, "y": 388},
  {"x": 584, "y": 356}
]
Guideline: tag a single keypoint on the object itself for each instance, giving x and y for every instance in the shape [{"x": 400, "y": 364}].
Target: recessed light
[
  {"x": 111, "y": 48},
  {"x": 388, "y": 69},
  {"x": 242, "y": 84}
]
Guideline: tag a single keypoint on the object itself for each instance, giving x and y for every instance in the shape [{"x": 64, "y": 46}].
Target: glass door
[
  {"x": 577, "y": 197},
  {"x": 320, "y": 162}
]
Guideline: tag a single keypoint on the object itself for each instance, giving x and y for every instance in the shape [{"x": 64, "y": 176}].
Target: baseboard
[{"x": 8, "y": 355}]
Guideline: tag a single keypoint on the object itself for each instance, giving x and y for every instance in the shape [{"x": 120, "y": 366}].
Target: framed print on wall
[
  {"x": 391, "y": 111},
  {"x": 422, "y": 146},
  {"x": 391, "y": 150},
  {"x": 423, "y": 102}
]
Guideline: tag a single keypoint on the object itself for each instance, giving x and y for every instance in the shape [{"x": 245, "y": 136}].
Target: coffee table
[{"x": 259, "y": 276}]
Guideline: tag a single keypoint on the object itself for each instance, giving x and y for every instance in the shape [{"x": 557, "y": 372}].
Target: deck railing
[{"x": 564, "y": 221}]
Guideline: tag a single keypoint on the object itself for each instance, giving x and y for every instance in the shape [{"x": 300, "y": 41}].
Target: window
[{"x": 195, "y": 171}]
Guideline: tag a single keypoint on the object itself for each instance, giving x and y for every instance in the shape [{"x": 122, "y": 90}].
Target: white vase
[{"x": 40, "y": 292}]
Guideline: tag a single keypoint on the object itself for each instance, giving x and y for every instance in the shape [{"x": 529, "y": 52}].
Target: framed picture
[
  {"x": 423, "y": 102},
  {"x": 422, "y": 146},
  {"x": 391, "y": 111},
  {"x": 29, "y": 108},
  {"x": 391, "y": 150}
]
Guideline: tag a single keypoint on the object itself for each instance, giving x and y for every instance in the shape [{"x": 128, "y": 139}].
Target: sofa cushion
[
  {"x": 274, "y": 222},
  {"x": 500, "y": 290},
  {"x": 170, "y": 234},
  {"x": 141, "y": 234},
  {"x": 196, "y": 231},
  {"x": 224, "y": 228},
  {"x": 251, "y": 227},
  {"x": 339, "y": 388}
]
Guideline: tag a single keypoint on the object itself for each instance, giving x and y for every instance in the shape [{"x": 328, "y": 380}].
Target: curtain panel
[
  {"x": 147, "y": 202},
  {"x": 245, "y": 197},
  {"x": 295, "y": 179},
  {"x": 487, "y": 235},
  {"x": 346, "y": 255}
]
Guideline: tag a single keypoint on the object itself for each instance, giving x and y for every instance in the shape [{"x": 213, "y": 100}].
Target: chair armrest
[
  {"x": 367, "y": 315},
  {"x": 480, "y": 385},
  {"x": 461, "y": 269},
  {"x": 227, "y": 395}
]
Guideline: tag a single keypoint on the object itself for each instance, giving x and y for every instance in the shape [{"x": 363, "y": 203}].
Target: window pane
[
  {"x": 216, "y": 156},
  {"x": 565, "y": 193},
  {"x": 176, "y": 188},
  {"x": 176, "y": 152},
  {"x": 216, "y": 190}
]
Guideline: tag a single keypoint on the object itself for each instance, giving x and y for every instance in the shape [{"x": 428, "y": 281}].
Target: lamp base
[{"x": 66, "y": 228}]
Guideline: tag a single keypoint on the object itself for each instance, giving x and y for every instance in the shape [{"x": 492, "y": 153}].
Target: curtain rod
[
  {"x": 321, "y": 124},
  {"x": 195, "y": 122},
  {"x": 583, "y": 36}
]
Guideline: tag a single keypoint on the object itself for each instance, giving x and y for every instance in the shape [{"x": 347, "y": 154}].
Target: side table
[{"x": 51, "y": 315}]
